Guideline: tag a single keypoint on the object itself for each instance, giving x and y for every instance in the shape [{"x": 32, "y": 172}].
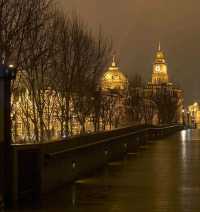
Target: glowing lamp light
[
  {"x": 11, "y": 66},
  {"x": 73, "y": 164}
]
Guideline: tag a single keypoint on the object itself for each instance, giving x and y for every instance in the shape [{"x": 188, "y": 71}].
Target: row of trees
[
  {"x": 146, "y": 102},
  {"x": 59, "y": 60}
]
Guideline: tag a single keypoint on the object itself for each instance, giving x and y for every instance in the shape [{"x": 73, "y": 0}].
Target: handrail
[
  {"x": 95, "y": 143},
  {"x": 59, "y": 153}
]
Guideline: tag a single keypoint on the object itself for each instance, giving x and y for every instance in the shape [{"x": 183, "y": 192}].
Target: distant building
[
  {"x": 160, "y": 86},
  {"x": 114, "y": 80},
  {"x": 160, "y": 72},
  {"x": 113, "y": 84},
  {"x": 114, "y": 90},
  {"x": 194, "y": 114}
]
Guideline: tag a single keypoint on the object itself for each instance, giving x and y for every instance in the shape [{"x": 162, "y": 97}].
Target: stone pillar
[{"x": 6, "y": 75}]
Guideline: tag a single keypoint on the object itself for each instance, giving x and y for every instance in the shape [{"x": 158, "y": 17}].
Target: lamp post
[
  {"x": 183, "y": 116},
  {"x": 7, "y": 73},
  {"x": 188, "y": 119}
]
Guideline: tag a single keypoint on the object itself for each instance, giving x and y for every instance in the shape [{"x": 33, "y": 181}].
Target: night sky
[{"x": 136, "y": 26}]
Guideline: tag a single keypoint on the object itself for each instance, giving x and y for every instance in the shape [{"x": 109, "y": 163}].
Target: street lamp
[
  {"x": 7, "y": 73},
  {"x": 188, "y": 119},
  {"x": 183, "y": 116}
]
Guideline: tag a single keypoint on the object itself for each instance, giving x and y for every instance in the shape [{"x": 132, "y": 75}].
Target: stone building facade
[{"x": 160, "y": 87}]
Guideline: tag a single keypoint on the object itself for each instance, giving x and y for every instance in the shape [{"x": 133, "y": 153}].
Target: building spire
[
  {"x": 114, "y": 60},
  {"x": 159, "y": 47}
]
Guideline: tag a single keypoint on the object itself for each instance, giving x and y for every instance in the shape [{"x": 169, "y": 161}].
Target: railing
[
  {"x": 41, "y": 168},
  {"x": 152, "y": 132}
]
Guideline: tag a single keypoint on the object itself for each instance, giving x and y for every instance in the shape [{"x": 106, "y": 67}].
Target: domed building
[
  {"x": 114, "y": 79},
  {"x": 114, "y": 90}
]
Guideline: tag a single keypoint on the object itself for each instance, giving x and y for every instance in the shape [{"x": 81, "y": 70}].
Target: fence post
[{"x": 6, "y": 75}]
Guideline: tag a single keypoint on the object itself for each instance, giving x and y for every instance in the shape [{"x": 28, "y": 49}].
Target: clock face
[{"x": 157, "y": 68}]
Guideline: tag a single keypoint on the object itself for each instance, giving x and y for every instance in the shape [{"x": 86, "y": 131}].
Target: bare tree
[
  {"x": 34, "y": 63},
  {"x": 168, "y": 103},
  {"x": 80, "y": 60},
  {"x": 60, "y": 63},
  {"x": 135, "y": 99},
  {"x": 108, "y": 110},
  {"x": 148, "y": 109}
]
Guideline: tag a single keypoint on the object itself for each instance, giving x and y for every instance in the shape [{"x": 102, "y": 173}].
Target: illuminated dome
[
  {"x": 159, "y": 73},
  {"x": 114, "y": 79}
]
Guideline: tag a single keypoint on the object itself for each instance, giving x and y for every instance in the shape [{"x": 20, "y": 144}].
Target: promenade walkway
[{"x": 163, "y": 177}]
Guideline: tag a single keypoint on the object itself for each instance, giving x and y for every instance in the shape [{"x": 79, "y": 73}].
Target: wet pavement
[{"x": 162, "y": 177}]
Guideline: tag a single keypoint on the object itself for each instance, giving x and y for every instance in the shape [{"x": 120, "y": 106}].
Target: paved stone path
[{"x": 162, "y": 177}]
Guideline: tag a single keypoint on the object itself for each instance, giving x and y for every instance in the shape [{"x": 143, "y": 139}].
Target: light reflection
[
  {"x": 74, "y": 196},
  {"x": 187, "y": 154},
  {"x": 183, "y": 144},
  {"x": 185, "y": 137}
]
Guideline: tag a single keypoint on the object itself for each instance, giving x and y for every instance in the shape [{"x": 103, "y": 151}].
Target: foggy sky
[{"x": 136, "y": 26}]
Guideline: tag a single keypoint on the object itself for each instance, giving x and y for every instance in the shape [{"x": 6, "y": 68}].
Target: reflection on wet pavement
[{"x": 162, "y": 177}]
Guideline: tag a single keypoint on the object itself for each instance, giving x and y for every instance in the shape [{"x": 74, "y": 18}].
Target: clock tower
[{"x": 159, "y": 73}]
